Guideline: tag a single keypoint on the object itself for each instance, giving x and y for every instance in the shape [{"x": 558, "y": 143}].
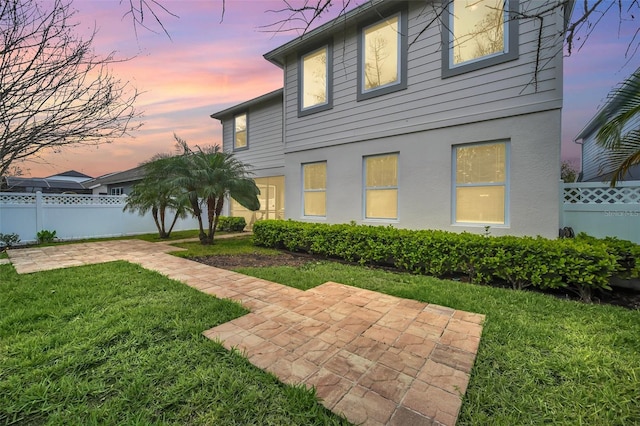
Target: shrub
[
  {"x": 8, "y": 240},
  {"x": 46, "y": 236},
  {"x": 576, "y": 264},
  {"x": 626, "y": 252},
  {"x": 231, "y": 224}
]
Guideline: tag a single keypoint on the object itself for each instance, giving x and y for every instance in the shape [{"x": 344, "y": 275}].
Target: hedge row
[
  {"x": 231, "y": 224},
  {"x": 581, "y": 265}
]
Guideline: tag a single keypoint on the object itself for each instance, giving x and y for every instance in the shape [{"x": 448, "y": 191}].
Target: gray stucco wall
[{"x": 424, "y": 175}]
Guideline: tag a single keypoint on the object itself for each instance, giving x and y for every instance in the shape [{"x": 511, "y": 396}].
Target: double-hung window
[
  {"x": 314, "y": 177},
  {"x": 478, "y": 34},
  {"x": 315, "y": 81},
  {"x": 240, "y": 139},
  {"x": 382, "y": 56},
  {"x": 481, "y": 183},
  {"x": 381, "y": 187}
]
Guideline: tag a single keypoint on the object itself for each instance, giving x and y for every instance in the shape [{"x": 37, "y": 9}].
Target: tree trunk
[
  {"x": 218, "y": 210},
  {"x": 154, "y": 213}
]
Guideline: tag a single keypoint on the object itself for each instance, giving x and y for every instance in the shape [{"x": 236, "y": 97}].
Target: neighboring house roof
[
  {"x": 137, "y": 173},
  {"x": 246, "y": 105},
  {"x": 603, "y": 115},
  {"x": 71, "y": 174},
  {"x": 56, "y": 185}
]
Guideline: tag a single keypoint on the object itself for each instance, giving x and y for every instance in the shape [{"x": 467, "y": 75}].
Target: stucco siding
[
  {"x": 429, "y": 102},
  {"x": 265, "y": 143},
  {"x": 425, "y": 175}
]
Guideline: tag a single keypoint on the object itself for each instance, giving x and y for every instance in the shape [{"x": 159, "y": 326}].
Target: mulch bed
[{"x": 626, "y": 298}]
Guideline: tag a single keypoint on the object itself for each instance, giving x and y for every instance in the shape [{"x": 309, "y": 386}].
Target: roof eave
[
  {"x": 220, "y": 115},
  {"x": 277, "y": 55}
]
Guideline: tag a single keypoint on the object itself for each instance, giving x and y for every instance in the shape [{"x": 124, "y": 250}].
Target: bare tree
[
  {"x": 54, "y": 90},
  {"x": 299, "y": 16}
]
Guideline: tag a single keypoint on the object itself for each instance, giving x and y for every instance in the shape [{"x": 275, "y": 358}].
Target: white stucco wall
[{"x": 424, "y": 175}]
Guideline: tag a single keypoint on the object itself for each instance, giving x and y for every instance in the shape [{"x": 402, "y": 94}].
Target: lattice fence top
[
  {"x": 9, "y": 198},
  {"x": 63, "y": 199},
  {"x": 602, "y": 195}
]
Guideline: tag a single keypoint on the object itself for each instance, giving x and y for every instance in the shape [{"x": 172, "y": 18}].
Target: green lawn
[{"x": 116, "y": 344}]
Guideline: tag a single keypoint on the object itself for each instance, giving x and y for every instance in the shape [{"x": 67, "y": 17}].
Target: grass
[
  {"x": 227, "y": 246},
  {"x": 116, "y": 344},
  {"x": 541, "y": 360}
]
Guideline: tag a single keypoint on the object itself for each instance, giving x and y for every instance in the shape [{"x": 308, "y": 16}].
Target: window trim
[
  {"x": 511, "y": 33},
  {"x": 302, "y": 112},
  {"x": 365, "y": 188},
  {"x": 246, "y": 131},
  {"x": 302, "y": 213},
  {"x": 403, "y": 65},
  {"x": 118, "y": 189},
  {"x": 506, "y": 184}
]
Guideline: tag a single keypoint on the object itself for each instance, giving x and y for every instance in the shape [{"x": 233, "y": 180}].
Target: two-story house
[{"x": 407, "y": 114}]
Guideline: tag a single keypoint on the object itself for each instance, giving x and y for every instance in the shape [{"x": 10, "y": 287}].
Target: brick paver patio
[{"x": 374, "y": 358}]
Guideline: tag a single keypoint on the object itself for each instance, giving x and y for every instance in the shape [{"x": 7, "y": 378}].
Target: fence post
[
  {"x": 561, "y": 204},
  {"x": 39, "y": 212}
]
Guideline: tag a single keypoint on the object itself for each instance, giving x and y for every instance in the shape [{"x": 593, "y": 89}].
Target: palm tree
[
  {"x": 621, "y": 142},
  {"x": 156, "y": 194},
  {"x": 209, "y": 175}
]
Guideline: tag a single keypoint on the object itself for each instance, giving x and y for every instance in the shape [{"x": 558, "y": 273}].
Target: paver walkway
[{"x": 374, "y": 358}]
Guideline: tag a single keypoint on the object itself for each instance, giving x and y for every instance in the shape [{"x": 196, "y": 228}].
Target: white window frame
[
  {"x": 511, "y": 42},
  {"x": 117, "y": 190},
  {"x": 506, "y": 184},
  {"x": 402, "y": 41},
  {"x": 323, "y": 190},
  {"x": 366, "y": 188}
]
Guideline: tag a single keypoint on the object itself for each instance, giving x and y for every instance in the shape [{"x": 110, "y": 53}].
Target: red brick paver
[{"x": 374, "y": 358}]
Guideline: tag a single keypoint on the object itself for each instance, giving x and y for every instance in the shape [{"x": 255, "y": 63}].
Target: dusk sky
[{"x": 209, "y": 65}]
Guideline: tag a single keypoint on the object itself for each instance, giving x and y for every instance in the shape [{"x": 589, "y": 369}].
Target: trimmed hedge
[
  {"x": 231, "y": 224},
  {"x": 581, "y": 265}
]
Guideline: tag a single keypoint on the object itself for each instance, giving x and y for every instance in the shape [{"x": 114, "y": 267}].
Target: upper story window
[
  {"x": 240, "y": 140},
  {"x": 479, "y": 34},
  {"x": 481, "y": 183},
  {"x": 382, "y": 56},
  {"x": 315, "y": 81}
]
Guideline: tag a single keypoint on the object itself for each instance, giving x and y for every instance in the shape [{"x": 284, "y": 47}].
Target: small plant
[
  {"x": 8, "y": 240},
  {"x": 46, "y": 236},
  {"x": 487, "y": 231},
  {"x": 231, "y": 224}
]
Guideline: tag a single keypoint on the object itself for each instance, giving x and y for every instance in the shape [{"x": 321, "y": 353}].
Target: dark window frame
[
  {"x": 403, "y": 22},
  {"x": 513, "y": 44},
  {"x": 246, "y": 131},
  {"x": 302, "y": 112}
]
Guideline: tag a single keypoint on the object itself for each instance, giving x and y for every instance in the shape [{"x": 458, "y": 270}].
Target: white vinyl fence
[
  {"x": 601, "y": 211},
  {"x": 74, "y": 216}
]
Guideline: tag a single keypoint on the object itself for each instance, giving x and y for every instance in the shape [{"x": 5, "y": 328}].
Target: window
[
  {"x": 479, "y": 34},
  {"x": 481, "y": 183},
  {"x": 240, "y": 132},
  {"x": 314, "y": 176},
  {"x": 382, "y": 57},
  {"x": 381, "y": 187},
  {"x": 271, "y": 201},
  {"x": 116, "y": 191},
  {"x": 315, "y": 81}
]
